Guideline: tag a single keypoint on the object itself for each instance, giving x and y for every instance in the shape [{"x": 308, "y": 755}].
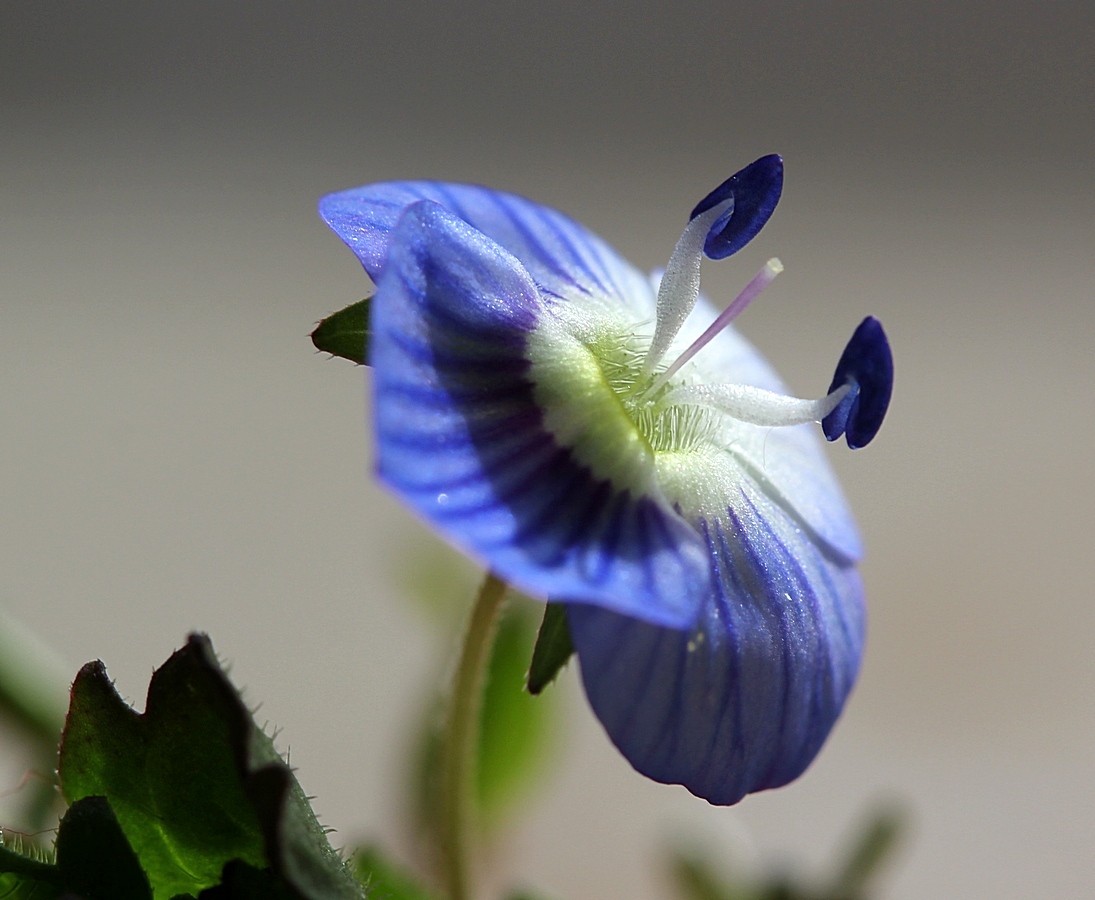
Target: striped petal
[
  {"x": 564, "y": 259},
  {"x": 743, "y": 701},
  {"x": 462, "y": 439}
]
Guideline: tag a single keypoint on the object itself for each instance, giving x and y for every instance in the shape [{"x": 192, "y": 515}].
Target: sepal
[
  {"x": 553, "y": 649},
  {"x": 346, "y": 333}
]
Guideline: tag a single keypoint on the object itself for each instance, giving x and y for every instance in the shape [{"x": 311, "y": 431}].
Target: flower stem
[{"x": 461, "y": 742}]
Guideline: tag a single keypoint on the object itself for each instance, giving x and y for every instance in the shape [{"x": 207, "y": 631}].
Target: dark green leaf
[
  {"x": 346, "y": 333},
  {"x": 24, "y": 878},
  {"x": 172, "y": 775},
  {"x": 297, "y": 847},
  {"x": 553, "y": 648},
  {"x": 193, "y": 781},
  {"x": 383, "y": 879},
  {"x": 243, "y": 882},
  {"x": 94, "y": 858},
  {"x": 94, "y": 861}
]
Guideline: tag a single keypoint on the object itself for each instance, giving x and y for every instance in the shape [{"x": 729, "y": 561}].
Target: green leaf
[
  {"x": 172, "y": 775},
  {"x": 346, "y": 333},
  {"x": 94, "y": 861},
  {"x": 383, "y": 879},
  {"x": 24, "y": 878},
  {"x": 553, "y": 648},
  {"x": 695, "y": 877},
  {"x": 297, "y": 847},
  {"x": 243, "y": 882},
  {"x": 194, "y": 782}
]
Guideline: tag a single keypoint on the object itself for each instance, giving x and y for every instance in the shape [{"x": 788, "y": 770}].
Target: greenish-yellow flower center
[{"x": 594, "y": 395}]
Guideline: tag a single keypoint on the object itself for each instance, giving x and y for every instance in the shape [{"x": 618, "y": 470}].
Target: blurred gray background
[{"x": 173, "y": 455}]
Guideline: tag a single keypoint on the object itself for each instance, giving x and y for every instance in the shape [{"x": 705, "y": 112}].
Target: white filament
[
  {"x": 755, "y": 405},
  {"x": 680, "y": 285},
  {"x": 760, "y": 281}
]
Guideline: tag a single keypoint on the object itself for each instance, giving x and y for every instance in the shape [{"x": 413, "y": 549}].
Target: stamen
[
  {"x": 680, "y": 285},
  {"x": 866, "y": 366},
  {"x": 755, "y": 405},
  {"x": 752, "y": 290}
]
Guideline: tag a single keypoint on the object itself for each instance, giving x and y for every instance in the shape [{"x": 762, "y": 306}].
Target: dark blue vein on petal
[
  {"x": 746, "y": 706},
  {"x": 559, "y": 253},
  {"x": 549, "y": 260},
  {"x": 461, "y": 438}
]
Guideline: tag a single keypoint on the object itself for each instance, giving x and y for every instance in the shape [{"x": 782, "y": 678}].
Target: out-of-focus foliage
[
  {"x": 870, "y": 850},
  {"x": 32, "y": 699},
  {"x": 28, "y": 697},
  {"x": 516, "y": 729},
  {"x": 384, "y": 879}
]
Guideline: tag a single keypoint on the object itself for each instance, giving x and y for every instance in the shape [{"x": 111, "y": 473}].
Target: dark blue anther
[
  {"x": 755, "y": 191},
  {"x": 866, "y": 365}
]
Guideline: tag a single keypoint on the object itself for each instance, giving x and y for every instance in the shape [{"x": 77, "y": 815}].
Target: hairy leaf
[
  {"x": 24, "y": 878},
  {"x": 94, "y": 861},
  {"x": 194, "y": 782}
]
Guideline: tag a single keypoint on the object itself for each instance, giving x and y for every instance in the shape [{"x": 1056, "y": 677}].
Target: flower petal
[
  {"x": 744, "y": 700},
  {"x": 462, "y": 439},
  {"x": 562, "y": 257}
]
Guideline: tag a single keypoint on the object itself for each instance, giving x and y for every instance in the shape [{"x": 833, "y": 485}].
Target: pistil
[{"x": 751, "y": 291}]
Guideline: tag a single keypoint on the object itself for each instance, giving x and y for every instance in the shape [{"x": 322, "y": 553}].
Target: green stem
[{"x": 460, "y": 750}]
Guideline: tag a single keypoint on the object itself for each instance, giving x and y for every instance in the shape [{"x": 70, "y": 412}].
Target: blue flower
[{"x": 683, "y": 512}]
